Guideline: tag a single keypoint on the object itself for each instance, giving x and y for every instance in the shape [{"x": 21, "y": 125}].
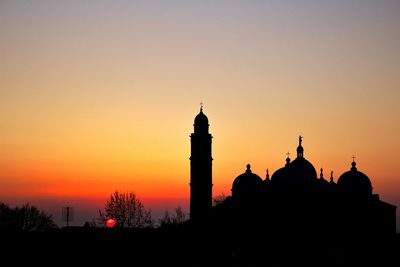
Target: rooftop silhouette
[{"x": 294, "y": 205}]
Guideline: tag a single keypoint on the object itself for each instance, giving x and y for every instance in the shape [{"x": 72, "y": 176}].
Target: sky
[{"x": 98, "y": 96}]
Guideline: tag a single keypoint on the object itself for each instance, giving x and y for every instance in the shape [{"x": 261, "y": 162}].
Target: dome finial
[
  {"x": 248, "y": 166},
  {"x": 201, "y": 106},
  {"x": 331, "y": 176},
  {"x": 300, "y": 149},
  {"x": 288, "y": 158},
  {"x": 353, "y": 164},
  {"x": 267, "y": 176},
  {"x": 321, "y": 175}
]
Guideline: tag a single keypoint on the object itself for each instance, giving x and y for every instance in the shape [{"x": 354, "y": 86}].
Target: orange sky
[{"x": 100, "y": 95}]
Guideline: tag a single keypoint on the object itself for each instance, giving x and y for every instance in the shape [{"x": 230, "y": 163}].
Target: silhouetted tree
[
  {"x": 127, "y": 210},
  {"x": 32, "y": 219},
  {"x": 178, "y": 217},
  {"x": 90, "y": 224},
  {"x": 218, "y": 199},
  {"x": 166, "y": 219},
  {"x": 6, "y": 216},
  {"x": 26, "y": 218}
]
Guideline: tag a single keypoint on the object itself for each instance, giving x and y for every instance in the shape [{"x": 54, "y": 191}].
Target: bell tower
[{"x": 200, "y": 168}]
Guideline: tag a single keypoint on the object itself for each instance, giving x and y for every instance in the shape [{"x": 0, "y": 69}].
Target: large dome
[
  {"x": 355, "y": 182},
  {"x": 302, "y": 170},
  {"x": 299, "y": 173},
  {"x": 247, "y": 184}
]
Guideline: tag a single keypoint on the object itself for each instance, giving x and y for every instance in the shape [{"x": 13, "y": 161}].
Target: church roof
[{"x": 355, "y": 182}]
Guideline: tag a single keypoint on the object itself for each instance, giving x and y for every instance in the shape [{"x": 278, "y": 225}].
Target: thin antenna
[{"x": 67, "y": 214}]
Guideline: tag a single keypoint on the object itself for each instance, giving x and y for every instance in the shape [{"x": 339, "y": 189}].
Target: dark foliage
[
  {"x": 127, "y": 210},
  {"x": 25, "y": 218},
  {"x": 176, "y": 218}
]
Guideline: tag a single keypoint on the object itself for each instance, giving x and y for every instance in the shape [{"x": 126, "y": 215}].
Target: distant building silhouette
[
  {"x": 200, "y": 168},
  {"x": 294, "y": 200}
]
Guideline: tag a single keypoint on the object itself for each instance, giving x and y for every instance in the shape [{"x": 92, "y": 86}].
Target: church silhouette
[
  {"x": 293, "y": 218},
  {"x": 293, "y": 206}
]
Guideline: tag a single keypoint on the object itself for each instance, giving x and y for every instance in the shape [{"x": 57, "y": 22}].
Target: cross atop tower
[{"x": 300, "y": 149}]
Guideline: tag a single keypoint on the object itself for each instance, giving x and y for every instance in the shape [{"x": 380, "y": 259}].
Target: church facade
[{"x": 295, "y": 199}]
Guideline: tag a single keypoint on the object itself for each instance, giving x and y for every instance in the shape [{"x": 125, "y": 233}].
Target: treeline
[
  {"x": 26, "y": 218},
  {"x": 129, "y": 212},
  {"x": 125, "y": 208}
]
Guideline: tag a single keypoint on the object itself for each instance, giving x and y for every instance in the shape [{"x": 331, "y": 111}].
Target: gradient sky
[{"x": 101, "y": 95}]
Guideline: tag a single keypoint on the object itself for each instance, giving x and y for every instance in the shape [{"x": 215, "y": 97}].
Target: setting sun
[{"x": 111, "y": 223}]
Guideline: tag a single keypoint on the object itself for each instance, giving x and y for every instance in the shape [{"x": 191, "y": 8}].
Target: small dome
[
  {"x": 280, "y": 177},
  {"x": 201, "y": 123},
  {"x": 246, "y": 184},
  {"x": 355, "y": 182},
  {"x": 280, "y": 174},
  {"x": 201, "y": 118}
]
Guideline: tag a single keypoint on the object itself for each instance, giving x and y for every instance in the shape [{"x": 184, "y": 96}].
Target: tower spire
[{"x": 300, "y": 149}]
